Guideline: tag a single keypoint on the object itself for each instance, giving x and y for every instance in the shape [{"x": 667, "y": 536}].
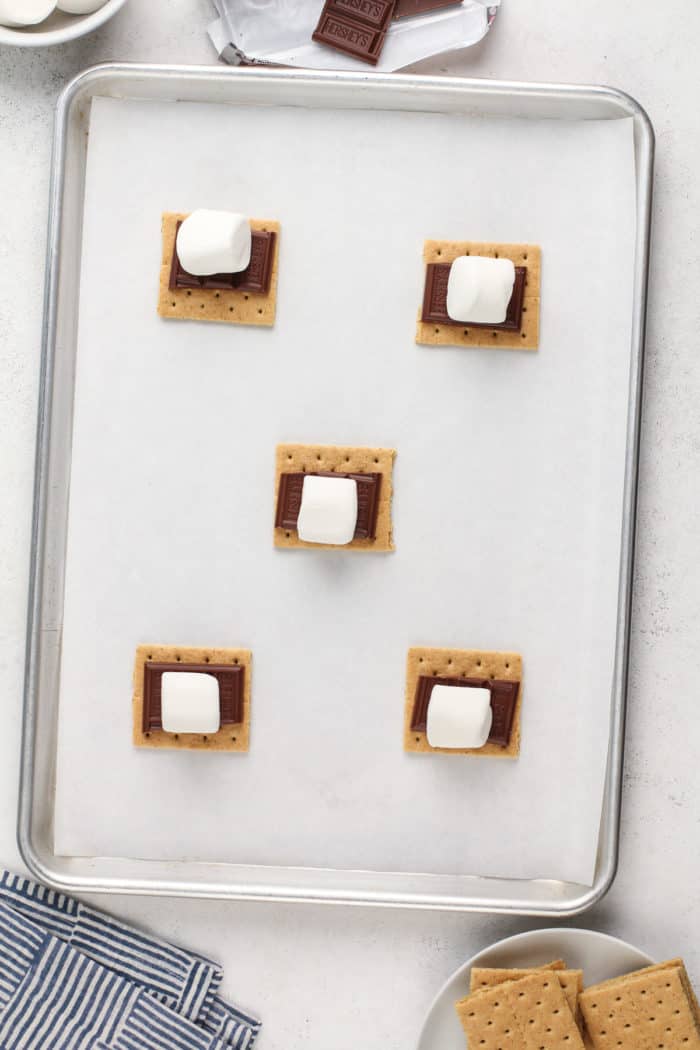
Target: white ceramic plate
[{"x": 597, "y": 954}]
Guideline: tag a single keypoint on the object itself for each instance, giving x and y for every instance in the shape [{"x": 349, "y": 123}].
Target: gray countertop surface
[{"x": 321, "y": 976}]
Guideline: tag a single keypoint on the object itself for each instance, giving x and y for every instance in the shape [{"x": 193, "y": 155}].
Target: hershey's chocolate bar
[
  {"x": 356, "y": 27},
  {"x": 256, "y": 278},
  {"x": 368, "y": 486},
  {"x": 231, "y": 678},
  {"x": 504, "y": 695},
  {"x": 435, "y": 300}
]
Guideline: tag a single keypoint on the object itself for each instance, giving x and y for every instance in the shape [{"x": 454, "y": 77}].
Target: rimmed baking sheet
[{"x": 510, "y": 481}]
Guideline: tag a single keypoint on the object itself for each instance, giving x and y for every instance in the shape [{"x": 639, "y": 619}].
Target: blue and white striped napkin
[{"x": 72, "y": 978}]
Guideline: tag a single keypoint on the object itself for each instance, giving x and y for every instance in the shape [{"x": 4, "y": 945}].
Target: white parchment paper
[{"x": 507, "y": 501}]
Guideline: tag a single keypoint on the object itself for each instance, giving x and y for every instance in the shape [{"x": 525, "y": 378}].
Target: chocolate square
[
  {"x": 355, "y": 27},
  {"x": 504, "y": 696},
  {"x": 435, "y": 300},
  {"x": 352, "y": 38},
  {"x": 230, "y": 677},
  {"x": 368, "y": 487}
]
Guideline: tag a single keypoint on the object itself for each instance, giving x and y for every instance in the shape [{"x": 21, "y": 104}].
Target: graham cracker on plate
[
  {"x": 645, "y": 1010},
  {"x": 669, "y": 964},
  {"x": 229, "y": 306},
  {"x": 571, "y": 981},
  {"x": 465, "y": 663},
  {"x": 429, "y": 333},
  {"x": 344, "y": 459},
  {"x": 488, "y": 976},
  {"x": 528, "y": 1014},
  {"x": 229, "y": 737}
]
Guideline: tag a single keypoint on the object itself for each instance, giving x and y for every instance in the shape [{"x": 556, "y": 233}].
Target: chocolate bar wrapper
[{"x": 278, "y": 32}]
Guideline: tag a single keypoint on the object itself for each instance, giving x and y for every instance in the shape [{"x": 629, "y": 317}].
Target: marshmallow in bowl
[
  {"x": 211, "y": 242},
  {"x": 80, "y": 7},
  {"x": 479, "y": 289},
  {"x": 458, "y": 716},
  {"x": 17, "y": 13},
  {"x": 328, "y": 512}
]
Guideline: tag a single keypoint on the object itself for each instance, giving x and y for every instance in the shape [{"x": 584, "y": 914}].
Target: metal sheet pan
[{"x": 39, "y": 747}]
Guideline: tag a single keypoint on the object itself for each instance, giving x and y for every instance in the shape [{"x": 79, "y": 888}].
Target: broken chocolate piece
[
  {"x": 504, "y": 695},
  {"x": 255, "y": 278},
  {"x": 230, "y": 678},
  {"x": 435, "y": 300},
  {"x": 368, "y": 486},
  {"x": 355, "y": 27}
]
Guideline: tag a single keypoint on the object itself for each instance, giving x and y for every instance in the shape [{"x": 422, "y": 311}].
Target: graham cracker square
[
  {"x": 230, "y": 306},
  {"x": 571, "y": 981},
  {"x": 343, "y": 459},
  {"x": 464, "y": 663},
  {"x": 650, "y": 1008},
  {"x": 528, "y": 255},
  {"x": 488, "y": 976},
  {"x": 528, "y": 1014},
  {"x": 229, "y": 737}
]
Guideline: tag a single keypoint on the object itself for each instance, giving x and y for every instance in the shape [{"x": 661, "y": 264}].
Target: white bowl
[{"x": 59, "y": 27}]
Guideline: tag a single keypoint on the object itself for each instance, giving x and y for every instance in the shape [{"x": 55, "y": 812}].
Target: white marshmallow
[
  {"x": 214, "y": 242},
  {"x": 25, "y": 12},
  {"x": 479, "y": 289},
  {"x": 80, "y": 7},
  {"x": 459, "y": 716},
  {"x": 328, "y": 512},
  {"x": 189, "y": 702}
]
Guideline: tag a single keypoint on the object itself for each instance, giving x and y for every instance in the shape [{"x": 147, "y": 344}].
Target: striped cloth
[{"x": 72, "y": 978}]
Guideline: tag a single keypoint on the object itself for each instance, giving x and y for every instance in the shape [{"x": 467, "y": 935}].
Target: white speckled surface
[{"x": 332, "y": 977}]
